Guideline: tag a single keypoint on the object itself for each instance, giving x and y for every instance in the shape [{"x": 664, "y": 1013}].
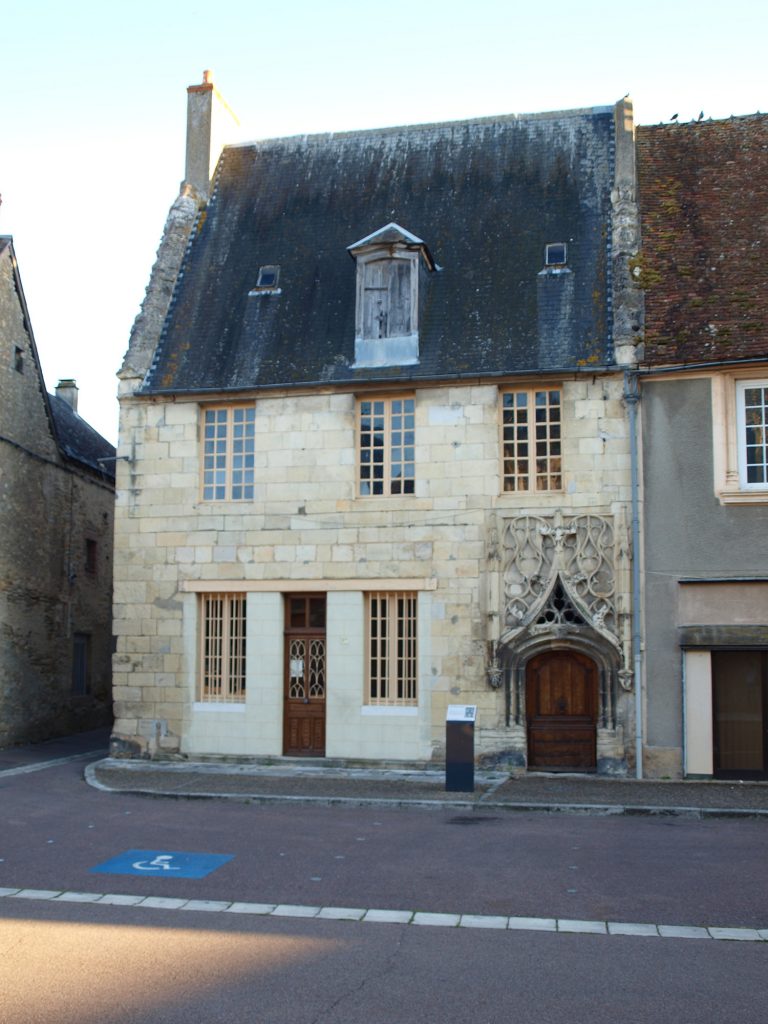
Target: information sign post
[{"x": 460, "y": 748}]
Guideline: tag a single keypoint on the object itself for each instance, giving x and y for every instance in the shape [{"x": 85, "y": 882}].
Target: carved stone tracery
[{"x": 558, "y": 571}]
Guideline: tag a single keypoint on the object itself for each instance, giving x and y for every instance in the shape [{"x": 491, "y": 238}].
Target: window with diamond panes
[
  {"x": 222, "y": 647},
  {"x": 229, "y": 439},
  {"x": 386, "y": 446},
  {"x": 531, "y": 440},
  {"x": 391, "y": 649},
  {"x": 752, "y": 399}
]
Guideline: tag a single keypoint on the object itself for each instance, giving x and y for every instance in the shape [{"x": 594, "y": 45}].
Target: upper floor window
[
  {"x": 555, "y": 254},
  {"x": 387, "y": 305},
  {"x": 752, "y": 428},
  {"x": 386, "y": 433},
  {"x": 531, "y": 442},
  {"x": 229, "y": 439},
  {"x": 91, "y": 556}
]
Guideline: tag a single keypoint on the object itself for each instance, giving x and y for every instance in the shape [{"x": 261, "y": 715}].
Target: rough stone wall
[
  {"x": 23, "y": 419},
  {"x": 306, "y": 523},
  {"x": 47, "y": 510},
  {"x": 149, "y": 323}
]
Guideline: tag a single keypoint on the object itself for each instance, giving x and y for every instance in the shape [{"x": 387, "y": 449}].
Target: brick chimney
[
  {"x": 68, "y": 389},
  {"x": 210, "y": 124}
]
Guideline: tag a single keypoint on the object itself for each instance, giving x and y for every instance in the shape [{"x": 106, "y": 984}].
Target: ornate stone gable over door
[{"x": 560, "y": 582}]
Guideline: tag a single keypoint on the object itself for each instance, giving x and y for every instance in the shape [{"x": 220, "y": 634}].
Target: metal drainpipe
[{"x": 632, "y": 398}]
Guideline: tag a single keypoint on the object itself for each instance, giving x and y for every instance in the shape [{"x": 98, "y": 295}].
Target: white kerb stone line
[{"x": 403, "y": 917}]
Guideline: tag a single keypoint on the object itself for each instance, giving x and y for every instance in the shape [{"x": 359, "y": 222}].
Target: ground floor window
[
  {"x": 222, "y": 647},
  {"x": 391, "y": 649}
]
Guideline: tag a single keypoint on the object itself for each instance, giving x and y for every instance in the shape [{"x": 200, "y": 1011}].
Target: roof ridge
[{"x": 306, "y": 137}]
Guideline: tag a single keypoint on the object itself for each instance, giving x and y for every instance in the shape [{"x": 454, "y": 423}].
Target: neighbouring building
[
  {"x": 374, "y": 451},
  {"x": 704, "y": 387},
  {"x": 56, "y": 521}
]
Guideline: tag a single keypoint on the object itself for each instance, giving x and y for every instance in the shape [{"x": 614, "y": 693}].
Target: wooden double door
[
  {"x": 561, "y": 700},
  {"x": 304, "y": 676}
]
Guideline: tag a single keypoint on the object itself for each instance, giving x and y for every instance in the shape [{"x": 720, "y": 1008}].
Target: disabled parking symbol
[{"x": 162, "y": 864}]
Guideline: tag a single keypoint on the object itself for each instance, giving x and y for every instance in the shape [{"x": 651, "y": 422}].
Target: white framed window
[
  {"x": 752, "y": 433},
  {"x": 386, "y": 446},
  {"x": 740, "y": 438},
  {"x": 391, "y": 671},
  {"x": 531, "y": 441},
  {"x": 222, "y": 648},
  {"x": 229, "y": 441},
  {"x": 555, "y": 254}
]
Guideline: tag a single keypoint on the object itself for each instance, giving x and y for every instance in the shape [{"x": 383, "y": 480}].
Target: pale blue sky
[{"x": 92, "y": 129}]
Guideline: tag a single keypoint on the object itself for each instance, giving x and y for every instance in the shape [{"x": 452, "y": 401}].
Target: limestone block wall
[{"x": 306, "y": 524}]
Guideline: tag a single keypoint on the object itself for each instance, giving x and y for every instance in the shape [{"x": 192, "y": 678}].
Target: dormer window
[
  {"x": 387, "y": 308},
  {"x": 267, "y": 283},
  {"x": 555, "y": 254},
  {"x": 268, "y": 277}
]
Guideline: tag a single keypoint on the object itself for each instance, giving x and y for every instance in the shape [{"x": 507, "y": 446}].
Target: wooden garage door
[{"x": 561, "y": 711}]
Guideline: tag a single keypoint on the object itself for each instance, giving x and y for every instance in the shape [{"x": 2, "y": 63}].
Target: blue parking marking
[{"x": 162, "y": 864}]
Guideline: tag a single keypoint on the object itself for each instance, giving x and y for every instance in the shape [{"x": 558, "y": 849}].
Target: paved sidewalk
[
  {"x": 494, "y": 790},
  {"x": 300, "y": 781},
  {"x": 95, "y": 742}
]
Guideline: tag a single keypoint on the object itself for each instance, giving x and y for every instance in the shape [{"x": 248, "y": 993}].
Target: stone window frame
[
  {"x": 222, "y": 648},
  {"x": 228, "y": 455},
  {"x": 391, "y": 649},
  {"x": 91, "y": 556},
  {"x": 393, "y": 445},
  {"x": 515, "y": 441},
  {"x": 728, "y": 437}
]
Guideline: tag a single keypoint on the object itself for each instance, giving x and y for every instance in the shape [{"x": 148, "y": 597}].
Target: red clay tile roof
[{"x": 704, "y": 263}]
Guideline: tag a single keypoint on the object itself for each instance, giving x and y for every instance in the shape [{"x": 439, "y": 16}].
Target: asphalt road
[{"x": 113, "y": 964}]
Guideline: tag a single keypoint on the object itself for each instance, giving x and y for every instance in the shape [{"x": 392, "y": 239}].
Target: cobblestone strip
[{"x": 409, "y": 917}]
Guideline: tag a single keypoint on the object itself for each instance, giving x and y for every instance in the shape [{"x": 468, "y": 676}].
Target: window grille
[
  {"x": 222, "y": 647},
  {"x": 391, "y": 646}
]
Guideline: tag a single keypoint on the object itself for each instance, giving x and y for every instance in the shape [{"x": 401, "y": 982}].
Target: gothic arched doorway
[{"x": 561, "y": 701}]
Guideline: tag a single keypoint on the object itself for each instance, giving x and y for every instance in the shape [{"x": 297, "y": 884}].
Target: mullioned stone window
[{"x": 229, "y": 440}]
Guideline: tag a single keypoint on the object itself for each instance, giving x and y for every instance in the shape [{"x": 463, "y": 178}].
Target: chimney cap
[{"x": 67, "y": 390}]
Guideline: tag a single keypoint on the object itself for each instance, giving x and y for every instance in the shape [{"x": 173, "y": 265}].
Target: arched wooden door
[{"x": 561, "y": 698}]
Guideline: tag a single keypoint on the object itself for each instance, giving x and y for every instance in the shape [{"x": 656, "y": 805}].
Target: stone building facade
[
  {"x": 374, "y": 450},
  {"x": 56, "y": 523}
]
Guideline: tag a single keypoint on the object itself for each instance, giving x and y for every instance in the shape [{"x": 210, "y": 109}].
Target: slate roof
[
  {"x": 486, "y": 196},
  {"x": 703, "y": 190},
  {"x": 78, "y": 440}
]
